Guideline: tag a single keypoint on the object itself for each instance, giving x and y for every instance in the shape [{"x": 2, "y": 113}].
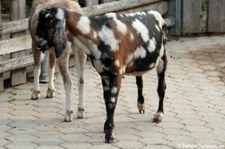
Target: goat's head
[{"x": 51, "y": 30}]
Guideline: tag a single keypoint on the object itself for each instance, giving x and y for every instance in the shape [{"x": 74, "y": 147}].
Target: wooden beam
[
  {"x": 161, "y": 7},
  {"x": 15, "y": 45},
  {"x": 14, "y": 26},
  {"x": 91, "y": 2},
  {"x": 18, "y": 77},
  {"x": 117, "y": 6},
  {"x": 17, "y": 9},
  {"x": 107, "y": 1},
  {"x": 191, "y": 15},
  {"x": 216, "y": 16},
  {"x": 16, "y": 63}
]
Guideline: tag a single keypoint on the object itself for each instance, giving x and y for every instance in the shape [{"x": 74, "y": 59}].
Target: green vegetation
[
  {"x": 204, "y": 5},
  {"x": 5, "y": 6}
]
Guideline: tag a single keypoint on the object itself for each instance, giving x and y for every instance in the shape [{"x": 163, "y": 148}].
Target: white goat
[
  {"x": 117, "y": 44},
  {"x": 80, "y": 58}
]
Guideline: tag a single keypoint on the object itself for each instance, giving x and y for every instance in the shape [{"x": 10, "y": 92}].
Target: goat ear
[{"x": 59, "y": 38}]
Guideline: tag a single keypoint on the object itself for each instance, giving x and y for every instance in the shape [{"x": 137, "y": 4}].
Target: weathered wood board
[
  {"x": 216, "y": 16},
  {"x": 117, "y": 6},
  {"x": 107, "y": 1},
  {"x": 14, "y": 26},
  {"x": 191, "y": 16},
  {"x": 161, "y": 7},
  {"x": 18, "y": 77},
  {"x": 15, "y": 45},
  {"x": 91, "y": 2},
  {"x": 16, "y": 63}
]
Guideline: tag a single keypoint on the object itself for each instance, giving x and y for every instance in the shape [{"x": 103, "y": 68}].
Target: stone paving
[{"x": 194, "y": 107}]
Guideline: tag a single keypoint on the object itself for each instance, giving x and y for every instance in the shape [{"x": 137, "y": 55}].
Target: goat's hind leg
[
  {"x": 80, "y": 61},
  {"x": 51, "y": 72},
  {"x": 111, "y": 86},
  {"x": 161, "y": 69},
  {"x": 140, "y": 100},
  {"x": 37, "y": 70},
  {"x": 63, "y": 67}
]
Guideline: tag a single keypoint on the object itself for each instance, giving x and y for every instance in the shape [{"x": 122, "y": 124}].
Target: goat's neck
[{"x": 80, "y": 27}]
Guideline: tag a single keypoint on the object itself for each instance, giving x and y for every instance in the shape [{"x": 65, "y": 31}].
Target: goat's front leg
[
  {"x": 51, "y": 72},
  {"x": 63, "y": 67},
  {"x": 111, "y": 87},
  {"x": 161, "y": 69},
  {"x": 37, "y": 70},
  {"x": 140, "y": 100},
  {"x": 80, "y": 61}
]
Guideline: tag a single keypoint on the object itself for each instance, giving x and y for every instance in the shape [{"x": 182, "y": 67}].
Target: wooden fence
[
  {"x": 194, "y": 20},
  {"x": 15, "y": 53}
]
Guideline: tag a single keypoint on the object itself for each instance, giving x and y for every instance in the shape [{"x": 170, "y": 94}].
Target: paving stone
[
  {"x": 21, "y": 146},
  {"x": 49, "y": 147}
]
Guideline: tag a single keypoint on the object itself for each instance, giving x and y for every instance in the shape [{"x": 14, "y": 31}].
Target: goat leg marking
[{"x": 141, "y": 100}]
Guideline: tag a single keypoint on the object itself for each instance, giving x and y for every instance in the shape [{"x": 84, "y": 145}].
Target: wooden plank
[
  {"x": 216, "y": 16},
  {"x": 161, "y": 7},
  {"x": 17, "y": 9},
  {"x": 16, "y": 63},
  {"x": 116, "y": 6},
  {"x": 18, "y": 76},
  {"x": 15, "y": 45},
  {"x": 91, "y": 2},
  {"x": 191, "y": 16},
  {"x": 107, "y": 1},
  {"x": 17, "y": 12},
  {"x": 14, "y": 26}
]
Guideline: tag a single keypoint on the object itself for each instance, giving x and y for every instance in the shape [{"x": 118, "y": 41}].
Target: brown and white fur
[
  {"x": 80, "y": 58},
  {"x": 116, "y": 44}
]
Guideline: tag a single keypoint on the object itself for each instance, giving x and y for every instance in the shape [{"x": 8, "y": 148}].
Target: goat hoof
[
  {"x": 68, "y": 116},
  {"x": 80, "y": 113},
  {"x": 50, "y": 93},
  {"x": 158, "y": 117},
  {"x": 35, "y": 95},
  {"x": 109, "y": 136},
  {"x": 141, "y": 107}
]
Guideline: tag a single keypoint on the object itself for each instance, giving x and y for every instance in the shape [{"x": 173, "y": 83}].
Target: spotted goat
[
  {"x": 116, "y": 44},
  {"x": 37, "y": 6}
]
